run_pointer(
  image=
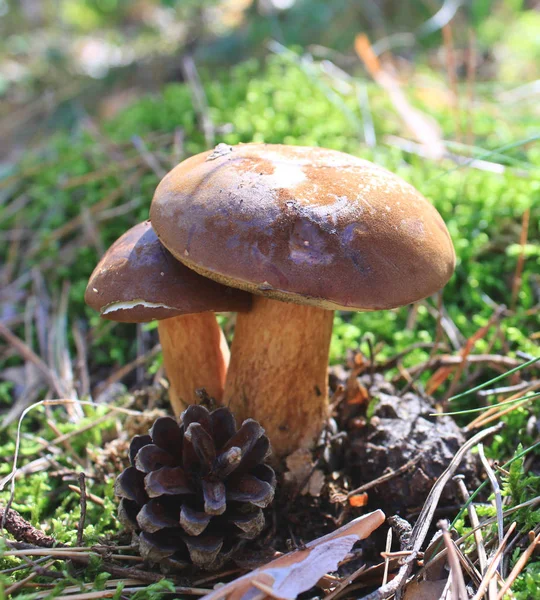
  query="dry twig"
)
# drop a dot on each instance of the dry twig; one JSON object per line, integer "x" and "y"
{"x": 496, "y": 490}
{"x": 519, "y": 566}
{"x": 22, "y": 530}
{"x": 82, "y": 518}
{"x": 492, "y": 568}
{"x": 459, "y": 591}
{"x": 384, "y": 478}
{"x": 473, "y": 517}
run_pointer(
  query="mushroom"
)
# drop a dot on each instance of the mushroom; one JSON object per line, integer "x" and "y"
{"x": 309, "y": 231}
{"x": 137, "y": 280}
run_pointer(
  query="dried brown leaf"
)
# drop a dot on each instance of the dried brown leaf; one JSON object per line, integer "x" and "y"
{"x": 424, "y": 590}
{"x": 291, "y": 574}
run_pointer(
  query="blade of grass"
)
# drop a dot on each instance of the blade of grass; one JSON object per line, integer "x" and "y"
{"x": 459, "y": 591}
{"x": 424, "y": 128}
{"x": 516, "y": 284}
{"x": 495, "y": 379}
{"x": 10, "y": 477}
{"x": 496, "y": 490}
{"x": 438, "y": 554}
{"x": 451, "y": 73}
{"x": 484, "y": 484}
{"x": 469, "y": 411}
{"x": 494, "y": 416}
{"x": 475, "y": 522}
{"x": 488, "y": 154}
{"x": 530, "y": 388}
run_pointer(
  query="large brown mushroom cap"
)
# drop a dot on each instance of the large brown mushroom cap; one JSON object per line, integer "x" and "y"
{"x": 307, "y": 225}
{"x": 137, "y": 280}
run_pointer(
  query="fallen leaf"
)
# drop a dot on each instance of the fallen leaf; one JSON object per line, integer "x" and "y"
{"x": 424, "y": 590}
{"x": 301, "y": 473}
{"x": 291, "y": 574}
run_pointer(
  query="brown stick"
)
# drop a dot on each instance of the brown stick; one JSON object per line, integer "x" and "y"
{"x": 21, "y": 530}
{"x": 195, "y": 355}
{"x": 31, "y": 537}
{"x": 82, "y": 518}
{"x": 384, "y": 478}
{"x": 520, "y": 564}
{"x": 278, "y": 371}
{"x": 443, "y": 360}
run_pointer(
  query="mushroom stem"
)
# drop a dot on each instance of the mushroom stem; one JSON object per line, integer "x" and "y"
{"x": 195, "y": 355}
{"x": 278, "y": 371}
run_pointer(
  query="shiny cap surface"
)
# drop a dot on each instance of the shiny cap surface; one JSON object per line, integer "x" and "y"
{"x": 138, "y": 280}
{"x": 307, "y": 225}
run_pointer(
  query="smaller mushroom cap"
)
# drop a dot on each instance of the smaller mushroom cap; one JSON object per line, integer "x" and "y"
{"x": 138, "y": 280}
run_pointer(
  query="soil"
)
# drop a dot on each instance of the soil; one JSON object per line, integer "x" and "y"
{"x": 400, "y": 430}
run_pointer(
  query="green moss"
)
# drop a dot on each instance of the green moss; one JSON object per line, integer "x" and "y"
{"x": 527, "y": 584}
{"x": 40, "y": 498}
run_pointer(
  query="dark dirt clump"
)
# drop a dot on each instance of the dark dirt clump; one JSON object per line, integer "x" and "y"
{"x": 389, "y": 431}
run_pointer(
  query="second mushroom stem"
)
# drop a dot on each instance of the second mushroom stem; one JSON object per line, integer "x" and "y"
{"x": 195, "y": 355}
{"x": 278, "y": 371}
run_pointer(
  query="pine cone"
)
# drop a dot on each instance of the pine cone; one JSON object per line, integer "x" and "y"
{"x": 196, "y": 491}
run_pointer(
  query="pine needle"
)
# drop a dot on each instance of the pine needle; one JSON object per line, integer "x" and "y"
{"x": 495, "y": 379}
{"x": 521, "y": 399}
{"x": 519, "y": 566}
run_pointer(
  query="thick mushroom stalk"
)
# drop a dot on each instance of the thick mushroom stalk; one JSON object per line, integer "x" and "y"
{"x": 195, "y": 355}
{"x": 278, "y": 371}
